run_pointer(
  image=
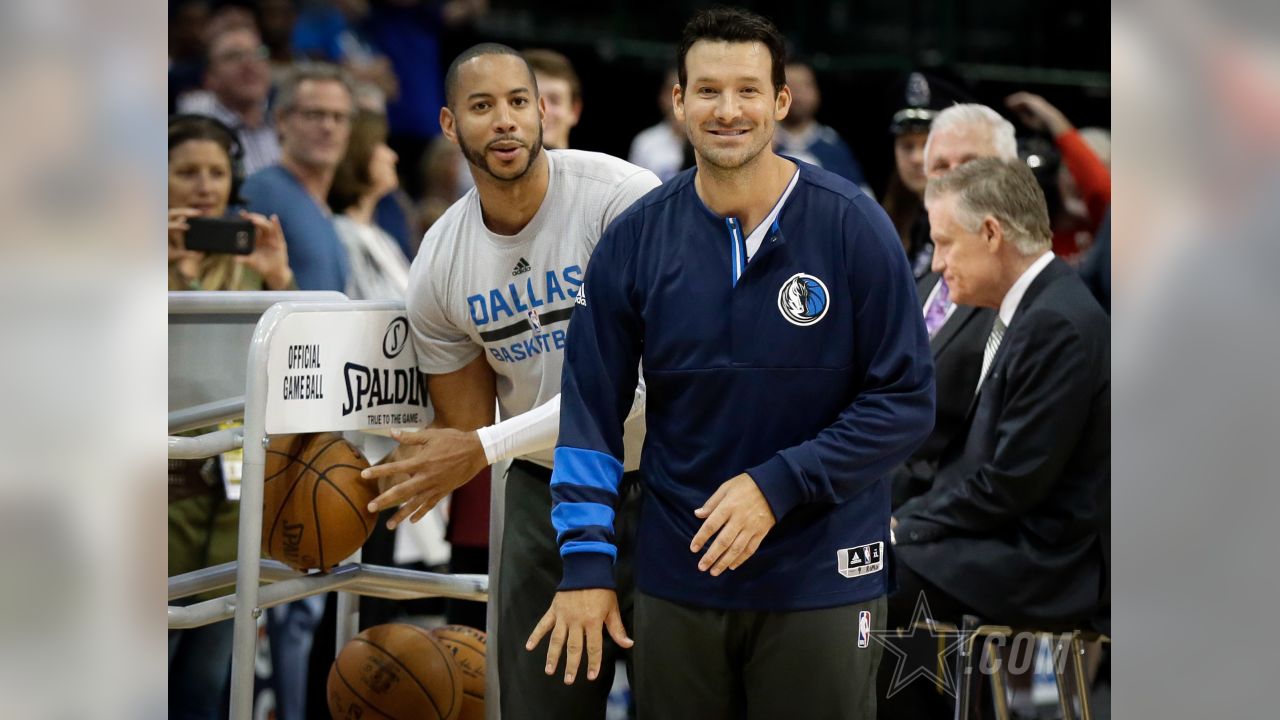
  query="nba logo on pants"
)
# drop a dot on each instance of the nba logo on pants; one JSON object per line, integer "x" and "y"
{"x": 864, "y": 628}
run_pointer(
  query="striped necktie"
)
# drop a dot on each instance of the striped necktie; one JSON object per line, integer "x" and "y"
{"x": 993, "y": 344}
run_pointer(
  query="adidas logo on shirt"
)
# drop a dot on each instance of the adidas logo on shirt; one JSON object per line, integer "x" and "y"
{"x": 521, "y": 267}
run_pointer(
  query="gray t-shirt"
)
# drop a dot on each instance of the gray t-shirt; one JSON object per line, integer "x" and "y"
{"x": 510, "y": 296}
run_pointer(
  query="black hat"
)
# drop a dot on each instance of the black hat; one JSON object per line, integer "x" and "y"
{"x": 923, "y": 97}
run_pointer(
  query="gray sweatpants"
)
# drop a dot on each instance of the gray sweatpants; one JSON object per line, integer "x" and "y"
{"x": 705, "y": 664}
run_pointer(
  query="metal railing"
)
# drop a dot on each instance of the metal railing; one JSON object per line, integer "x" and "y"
{"x": 246, "y": 603}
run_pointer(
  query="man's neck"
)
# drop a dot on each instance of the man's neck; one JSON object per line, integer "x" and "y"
{"x": 508, "y": 207}
{"x": 1013, "y": 270}
{"x": 315, "y": 181}
{"x": 747, "y": 193}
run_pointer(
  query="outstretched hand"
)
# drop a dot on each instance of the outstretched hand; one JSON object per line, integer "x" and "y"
{"x": 439, "y": 461}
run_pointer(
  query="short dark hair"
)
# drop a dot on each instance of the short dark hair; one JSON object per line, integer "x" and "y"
{"x": 734, "y": 25}
{"x": 555, "y": 65}
{"x": 185, "y": 128}
{"x": 473, "y": 52}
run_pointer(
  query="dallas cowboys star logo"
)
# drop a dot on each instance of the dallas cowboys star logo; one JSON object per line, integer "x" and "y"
{"x": 949, "y": 641}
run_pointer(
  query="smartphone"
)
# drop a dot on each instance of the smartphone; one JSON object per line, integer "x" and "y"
{"x": 230, "y": 235}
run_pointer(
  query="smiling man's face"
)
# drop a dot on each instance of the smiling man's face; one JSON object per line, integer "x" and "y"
{"x": 730, "y": 107}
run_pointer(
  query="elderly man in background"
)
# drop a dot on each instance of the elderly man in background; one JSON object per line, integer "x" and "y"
{"x": 1012, "y": 528}
{"x": 801, "y": 136}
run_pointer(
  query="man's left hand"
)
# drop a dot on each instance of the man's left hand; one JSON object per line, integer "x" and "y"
{"x": 741, "y": 516}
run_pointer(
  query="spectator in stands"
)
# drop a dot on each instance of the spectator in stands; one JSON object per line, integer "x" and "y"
{"x": 276, "y": 19}
{"x": 188, "y": 22}
{"x": 202, "y": 158}
{"x": 202, "y": 521}
{"x": 1084, "y": 178}
{"x": 904, "y": 193}
{"x": 801, "y": 136}
{"x": 237, "y": 80}
{"x": 662, "y": 148}
{"x": 395, "y": 212}
{"x": 560, "y": 88}
{"x": 1012, "y": 528}
{"x": 313, "y": 114}
{"x": 924, "y": 96}
{"x": 367, "y": 173}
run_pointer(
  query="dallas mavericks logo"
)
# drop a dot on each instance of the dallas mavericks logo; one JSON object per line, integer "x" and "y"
{"x": 802, "y": 299}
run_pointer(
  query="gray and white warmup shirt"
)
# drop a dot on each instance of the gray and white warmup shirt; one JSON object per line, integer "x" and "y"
{"x": 510, "y": 296}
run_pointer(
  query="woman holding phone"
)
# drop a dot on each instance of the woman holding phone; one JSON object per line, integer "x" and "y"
{"x": 202, "y": 178}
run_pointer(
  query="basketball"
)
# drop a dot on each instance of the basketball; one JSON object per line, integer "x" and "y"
{"x": 467, "y": 646}
{"x": 396, "y": 671}
{"x": 315, "y": 504}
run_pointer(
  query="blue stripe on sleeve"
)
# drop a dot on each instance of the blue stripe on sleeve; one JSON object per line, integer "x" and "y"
{"x": 567, "y": 515}
{"x": 589, "y": 468}
{"x": 573, "y": 547}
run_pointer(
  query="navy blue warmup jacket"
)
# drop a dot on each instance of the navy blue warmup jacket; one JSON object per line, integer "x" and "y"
{"x": 808, "y": 368}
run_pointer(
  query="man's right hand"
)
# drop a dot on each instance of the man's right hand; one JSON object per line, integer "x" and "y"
{"x": 574, "y": 620}
{"x": 445, "y": 460}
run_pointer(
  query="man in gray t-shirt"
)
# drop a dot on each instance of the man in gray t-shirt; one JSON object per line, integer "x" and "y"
{"x": 489, "y": 301}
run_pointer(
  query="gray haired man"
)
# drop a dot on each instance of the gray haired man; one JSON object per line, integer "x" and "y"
{"x": 1013, "y": 527}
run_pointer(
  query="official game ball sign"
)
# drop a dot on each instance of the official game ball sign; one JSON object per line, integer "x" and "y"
{"x": 352, "y": 370}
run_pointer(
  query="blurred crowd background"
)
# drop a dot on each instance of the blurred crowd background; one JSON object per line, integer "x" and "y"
{"x": 858, "y": 61}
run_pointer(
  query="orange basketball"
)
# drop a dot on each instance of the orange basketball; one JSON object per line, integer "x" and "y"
{"x": 395, "y": 671}
{"x": 467, "y": 646}
{"x": 315, "y": 507}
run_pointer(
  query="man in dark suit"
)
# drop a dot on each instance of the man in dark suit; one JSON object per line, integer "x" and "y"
{"x": 957, "y": 332}
{"x": 1012, "y": 528}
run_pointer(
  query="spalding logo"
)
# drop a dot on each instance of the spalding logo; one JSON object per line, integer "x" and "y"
{"x": 803, "y": 300}
{"x": 395, "y": 338}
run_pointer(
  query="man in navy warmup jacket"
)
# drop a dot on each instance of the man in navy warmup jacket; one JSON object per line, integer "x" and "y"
{"x": 788, "y": 372}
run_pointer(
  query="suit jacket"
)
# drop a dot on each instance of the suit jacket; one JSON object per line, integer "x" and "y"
{"x": 957, "y": 360}
{"x": 1013, "y": 524}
